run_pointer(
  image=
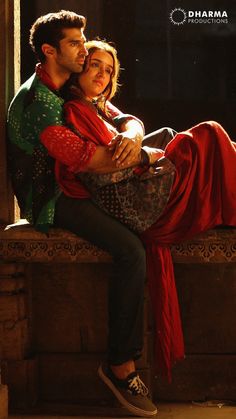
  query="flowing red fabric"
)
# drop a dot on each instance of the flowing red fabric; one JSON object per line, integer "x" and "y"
{"x": 203, "y": 196}
{"x": 83, "y": 116}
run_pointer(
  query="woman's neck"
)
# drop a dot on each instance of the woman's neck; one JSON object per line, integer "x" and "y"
{"x": 90, "y": 99}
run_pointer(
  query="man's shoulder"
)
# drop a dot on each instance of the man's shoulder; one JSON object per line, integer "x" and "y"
{"x": 33, "y": 90}
{"x": 23, "y": 91}
{"x": 43, "y": 94}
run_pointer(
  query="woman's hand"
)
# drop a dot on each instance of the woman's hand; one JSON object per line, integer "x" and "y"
{"x": 126, "y": 147}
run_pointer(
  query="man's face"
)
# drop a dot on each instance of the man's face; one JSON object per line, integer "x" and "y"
{"x": 70, "y": 56}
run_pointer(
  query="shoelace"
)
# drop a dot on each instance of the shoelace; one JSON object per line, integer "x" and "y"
{"x": 137, "y": 386}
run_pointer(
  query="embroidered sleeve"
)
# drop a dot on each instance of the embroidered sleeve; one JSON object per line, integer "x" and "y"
{"x": 66, "y": 147}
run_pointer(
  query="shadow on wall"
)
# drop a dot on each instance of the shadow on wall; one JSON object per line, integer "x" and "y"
{"x": 175, "y": 74}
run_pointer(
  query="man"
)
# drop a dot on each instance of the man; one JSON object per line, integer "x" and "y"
{"x": 58, "y": 41}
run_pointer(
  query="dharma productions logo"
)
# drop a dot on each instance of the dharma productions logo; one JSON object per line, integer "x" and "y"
{"x": 179, "y": 16}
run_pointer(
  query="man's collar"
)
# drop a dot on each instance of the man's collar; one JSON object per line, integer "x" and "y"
{"x": 44, "y": 77}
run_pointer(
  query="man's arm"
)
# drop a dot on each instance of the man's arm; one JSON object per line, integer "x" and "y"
{"x": 84, "y": 156}
{"x": 79, "y": 155}
{"x": 102, "y": 162}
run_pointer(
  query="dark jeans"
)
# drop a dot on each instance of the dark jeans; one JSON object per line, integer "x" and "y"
{"x": 126, "y": 288}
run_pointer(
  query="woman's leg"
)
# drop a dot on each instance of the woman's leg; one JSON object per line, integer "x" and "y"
{"x": 203, "y": 193}
{"x": 126, "y": 290}
{"x": 159, "y": 138}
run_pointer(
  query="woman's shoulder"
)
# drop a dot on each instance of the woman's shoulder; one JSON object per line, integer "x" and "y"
{"x": 112, "y": 110}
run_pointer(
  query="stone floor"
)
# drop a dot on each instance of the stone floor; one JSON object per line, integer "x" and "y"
{"x": 209, "y": 410}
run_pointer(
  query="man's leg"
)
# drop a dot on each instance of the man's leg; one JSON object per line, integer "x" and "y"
{"x": 126, "y": 288}
{"x": 126, "y": 297}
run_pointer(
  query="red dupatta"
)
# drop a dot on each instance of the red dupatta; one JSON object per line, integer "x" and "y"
{"x": 84, "y": 117}
{"x": 203, "y": 196}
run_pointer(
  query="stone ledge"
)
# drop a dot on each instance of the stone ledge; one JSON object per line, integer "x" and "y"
{"x": 21, "y": 243}
{"x": 214, "y": 246}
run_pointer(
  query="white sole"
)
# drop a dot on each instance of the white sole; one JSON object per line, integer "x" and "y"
{"x": 118, "y": 395}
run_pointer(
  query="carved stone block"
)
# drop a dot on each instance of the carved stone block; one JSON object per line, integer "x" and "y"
{"x": 14, "y": 339}
{"x": 22, "y": 379}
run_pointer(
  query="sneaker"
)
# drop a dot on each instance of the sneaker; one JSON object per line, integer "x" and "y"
{"x": 131, "y": 392}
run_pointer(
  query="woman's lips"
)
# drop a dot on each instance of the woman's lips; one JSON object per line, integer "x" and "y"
{"x": 98, "y": 82}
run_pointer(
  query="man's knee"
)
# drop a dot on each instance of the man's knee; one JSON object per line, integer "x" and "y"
{"x": 133, "y": 254}
{"x": 138, "y": 255}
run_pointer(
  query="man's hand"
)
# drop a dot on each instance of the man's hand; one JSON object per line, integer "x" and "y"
{"x": 126, "y": 147}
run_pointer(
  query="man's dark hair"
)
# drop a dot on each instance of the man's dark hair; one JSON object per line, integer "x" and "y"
{"x": 49, "y": 29}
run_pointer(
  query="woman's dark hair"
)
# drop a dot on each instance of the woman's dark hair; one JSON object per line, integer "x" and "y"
{"x": 49, "y": 29}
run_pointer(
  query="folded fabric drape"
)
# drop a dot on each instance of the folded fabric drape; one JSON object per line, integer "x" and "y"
{"x": 203, "y": 196}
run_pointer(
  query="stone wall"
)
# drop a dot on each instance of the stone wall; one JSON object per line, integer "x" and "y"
{"x": 54, "y": 313}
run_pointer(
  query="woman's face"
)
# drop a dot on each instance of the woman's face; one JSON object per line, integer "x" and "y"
{"x": 97, "y": 74}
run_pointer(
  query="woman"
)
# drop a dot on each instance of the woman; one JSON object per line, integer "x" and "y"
{"x": 90, "y": 114}
{"x": 166, "y": 197}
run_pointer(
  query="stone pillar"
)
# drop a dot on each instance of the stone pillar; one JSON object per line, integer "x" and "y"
{"x": 3, "y": 402}
{"x": 9, "y": 83}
